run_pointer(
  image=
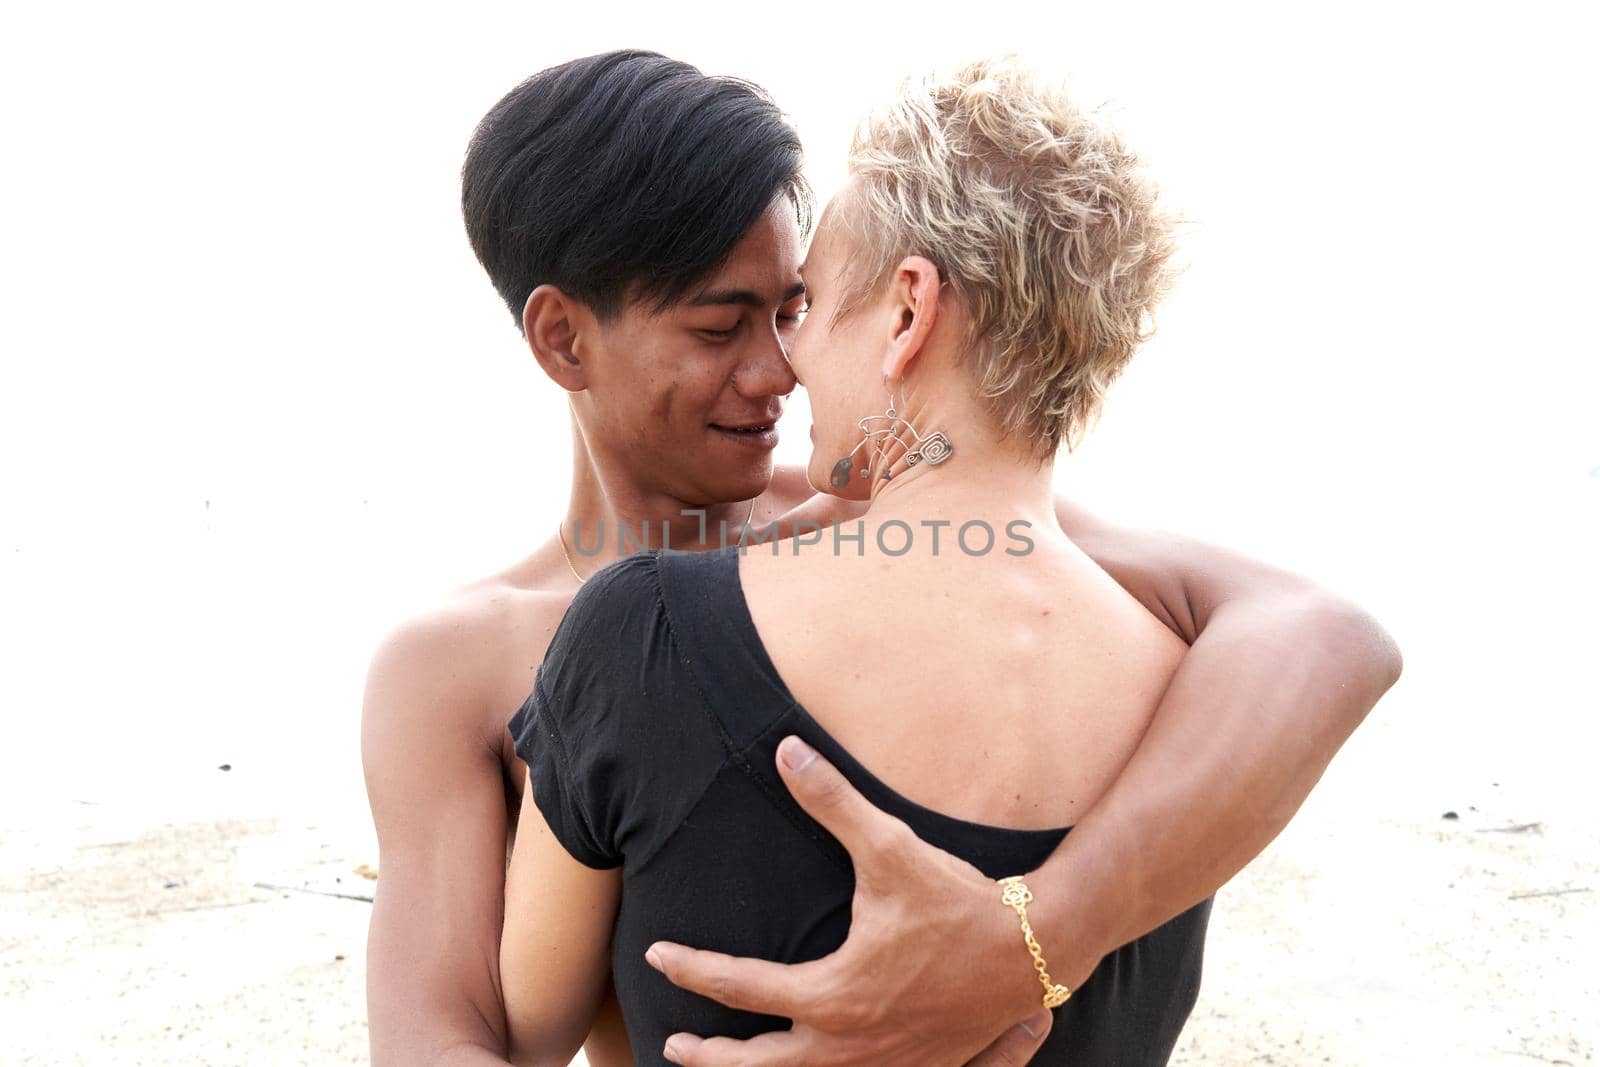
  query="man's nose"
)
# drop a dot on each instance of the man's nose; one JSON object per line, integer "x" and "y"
{"x": 766, "y": 372}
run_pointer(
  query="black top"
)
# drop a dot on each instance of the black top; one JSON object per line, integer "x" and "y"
{"x": 651, "y": 738}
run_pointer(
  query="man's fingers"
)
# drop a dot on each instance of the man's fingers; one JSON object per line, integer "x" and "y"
{"x": 762, "y": 986}
{"x": 825, "y": 794}
{"x": 1017, "y": 1045}
{"x": 776, "y": 1048}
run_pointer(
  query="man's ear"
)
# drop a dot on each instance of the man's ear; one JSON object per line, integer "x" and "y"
{"x": 554, "y": 324}
{"x": 913, "y": 298}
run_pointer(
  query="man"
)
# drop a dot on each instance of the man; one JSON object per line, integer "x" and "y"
{"x": 642, "y": 223}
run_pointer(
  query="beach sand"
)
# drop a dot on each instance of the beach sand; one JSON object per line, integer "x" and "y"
{"x": 160, "y": 945}
{"x": 1355, "y": 939}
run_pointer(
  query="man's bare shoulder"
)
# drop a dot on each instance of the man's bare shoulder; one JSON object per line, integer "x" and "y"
{"x": 464, "y": 664}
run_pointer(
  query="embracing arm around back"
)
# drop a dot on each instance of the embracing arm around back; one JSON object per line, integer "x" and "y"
{"x": 1279, "y": 674}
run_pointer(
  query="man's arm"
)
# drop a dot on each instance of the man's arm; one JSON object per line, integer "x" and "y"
{"x": 555, "y": 952}
{"x": 438, "y": 802}
{"x": 1278, "y": 676}
{"x": 1280, "y": 673}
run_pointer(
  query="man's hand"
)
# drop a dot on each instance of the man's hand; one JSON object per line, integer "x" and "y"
{"x": 934, "y": 972}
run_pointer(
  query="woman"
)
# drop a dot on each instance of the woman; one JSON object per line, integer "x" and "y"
{"x": 988, "y": 270}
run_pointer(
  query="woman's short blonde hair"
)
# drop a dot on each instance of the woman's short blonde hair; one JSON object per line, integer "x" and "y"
{"x": 1040, "y": 219}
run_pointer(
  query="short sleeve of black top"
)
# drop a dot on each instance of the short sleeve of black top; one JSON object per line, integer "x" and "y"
{"x": 650, "y": 738}
{"x": 611, "y": 773}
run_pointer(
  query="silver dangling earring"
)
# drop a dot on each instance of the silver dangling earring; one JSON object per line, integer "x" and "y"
{"x": 933, "y": 449}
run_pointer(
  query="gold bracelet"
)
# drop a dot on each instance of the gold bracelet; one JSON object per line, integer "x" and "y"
{"x": 1014, "y": 893}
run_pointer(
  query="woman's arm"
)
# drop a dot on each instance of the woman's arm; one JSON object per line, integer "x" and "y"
{"x": 555, "y": 951}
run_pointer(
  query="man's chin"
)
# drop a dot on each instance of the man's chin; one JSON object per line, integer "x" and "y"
{"x": 721, "y": 485}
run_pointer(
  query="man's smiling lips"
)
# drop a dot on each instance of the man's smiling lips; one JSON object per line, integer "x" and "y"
{"x": 752, "y": 433}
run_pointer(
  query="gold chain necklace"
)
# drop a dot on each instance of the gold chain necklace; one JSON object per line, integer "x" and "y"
{"x": 561, "y": 535}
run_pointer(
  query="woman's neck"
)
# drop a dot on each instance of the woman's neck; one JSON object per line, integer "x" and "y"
{"x": 981, "y": 480}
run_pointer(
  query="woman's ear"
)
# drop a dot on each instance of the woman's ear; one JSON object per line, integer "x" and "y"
{"x": 551, "y": 321}
{"x": 914, "y": 301}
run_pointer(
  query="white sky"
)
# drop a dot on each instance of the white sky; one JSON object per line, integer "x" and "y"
{"x": 258, "y": 400}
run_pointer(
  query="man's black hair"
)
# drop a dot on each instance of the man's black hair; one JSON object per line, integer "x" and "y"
{"x": 623, "y": 176}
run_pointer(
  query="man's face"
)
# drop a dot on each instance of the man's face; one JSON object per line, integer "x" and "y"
{"x": 687, "y": 401}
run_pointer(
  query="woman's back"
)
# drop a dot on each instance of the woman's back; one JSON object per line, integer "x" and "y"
{"x": 651, "y": 742}
{"x": 1006, "y": 689}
